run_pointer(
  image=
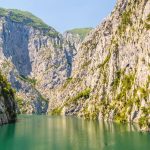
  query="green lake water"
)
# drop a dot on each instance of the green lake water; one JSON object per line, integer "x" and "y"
{"x": 69, "y": 133}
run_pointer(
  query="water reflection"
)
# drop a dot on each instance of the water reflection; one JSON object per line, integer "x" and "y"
{"x": 7, "y": 135}
{"x": 61, "y": 133}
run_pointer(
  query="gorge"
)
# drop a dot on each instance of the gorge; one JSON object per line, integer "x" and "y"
{"x": 101, "y": 73}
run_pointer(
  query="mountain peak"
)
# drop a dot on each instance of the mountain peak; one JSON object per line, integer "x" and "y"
{"x": 82, "y": 32}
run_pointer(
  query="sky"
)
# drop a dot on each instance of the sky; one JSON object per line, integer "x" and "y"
{"x": 65, "y": 14}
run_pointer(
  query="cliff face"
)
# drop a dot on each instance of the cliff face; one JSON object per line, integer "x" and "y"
{"x": 34, "y": 57}
{"x": 75, "y": 36}
{"x": 31, "y": 57}
{"x": 72, "y": 40}
{"x": 111, "y": 71}
{"x": 7, "y": 102}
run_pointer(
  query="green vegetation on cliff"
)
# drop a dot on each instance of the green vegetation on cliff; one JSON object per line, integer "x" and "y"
{"x": 7, "y": 104}
{"x": 83, "y": 94}
{"x": 125, "y": 21}
{"x": 28, "y": 19}
{"x": 32, "y": 81}
{"x": 6, "y": 89}
{"x": 147, "y": 24}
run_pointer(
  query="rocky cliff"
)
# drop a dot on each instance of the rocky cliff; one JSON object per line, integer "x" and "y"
{"x": 72, "y": 40}
{"x": 111, "y": 71}
{"x": 7, "y": 102}
{"x": 34, "y": 57}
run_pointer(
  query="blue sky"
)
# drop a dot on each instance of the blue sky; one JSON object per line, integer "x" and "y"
{"x": 65, "y": 14}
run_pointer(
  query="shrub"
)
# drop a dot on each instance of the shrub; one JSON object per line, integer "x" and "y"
{"x": 143, "y": 122}
{"x": 29, "y": 80}
{"x": 147, "y": 25}
{"x": 83, "y": 94}
{"x": 86, "y": 64}
{"x": 67, "y": 82}
{"x": 6, "y": 87}
{"x": 125, "y": 21}
{"x": 56, "y": 111}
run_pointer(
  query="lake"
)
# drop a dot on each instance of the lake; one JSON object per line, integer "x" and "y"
{"x": 33, "y": 132}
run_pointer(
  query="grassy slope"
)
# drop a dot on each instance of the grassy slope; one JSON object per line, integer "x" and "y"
{"x": 27, "y": 18}
{"x": 80, "y": 31}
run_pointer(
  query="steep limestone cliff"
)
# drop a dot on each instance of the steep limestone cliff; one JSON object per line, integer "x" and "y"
{"x": 7, "y": 102}
{"x": 111, "y": 71}
{"x": 34, "y": 57}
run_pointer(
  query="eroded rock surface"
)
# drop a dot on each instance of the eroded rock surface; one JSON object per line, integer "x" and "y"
{"x": 34, "y": 57}
{"x": 111, "y": 71}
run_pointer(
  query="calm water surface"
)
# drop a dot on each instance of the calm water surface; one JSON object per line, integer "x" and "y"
{"x": 62, "y": 133}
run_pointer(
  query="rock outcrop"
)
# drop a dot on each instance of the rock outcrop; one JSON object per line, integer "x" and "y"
{"x": 7, "y": 102}
{"x": 111, "y": 71}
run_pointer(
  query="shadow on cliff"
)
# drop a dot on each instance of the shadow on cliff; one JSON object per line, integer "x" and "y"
{"x": 15, "y": 46}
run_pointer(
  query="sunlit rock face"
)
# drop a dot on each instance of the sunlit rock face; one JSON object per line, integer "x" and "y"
{"x": 111, "y": 71}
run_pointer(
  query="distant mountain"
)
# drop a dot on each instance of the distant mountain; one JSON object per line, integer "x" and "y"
{"x": 82, "y": 32}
